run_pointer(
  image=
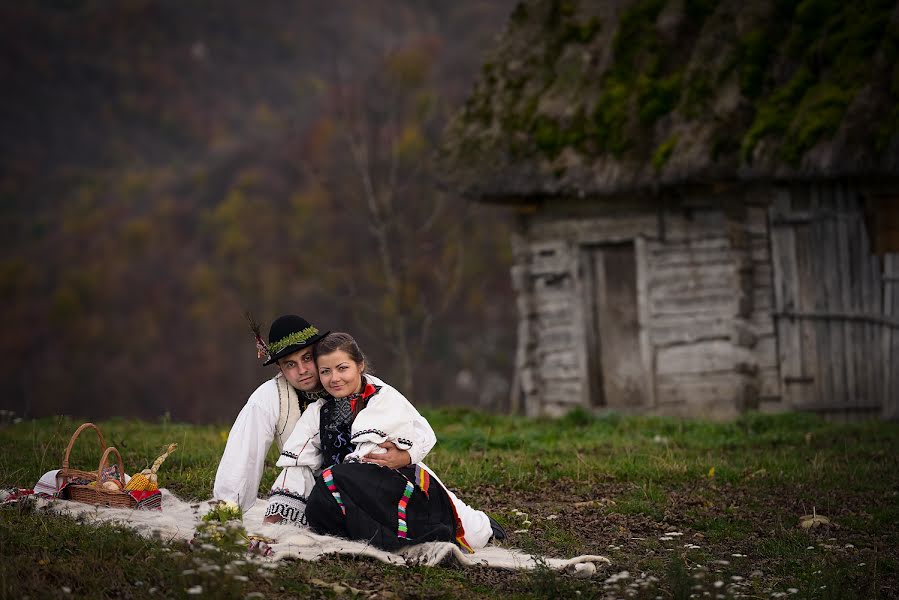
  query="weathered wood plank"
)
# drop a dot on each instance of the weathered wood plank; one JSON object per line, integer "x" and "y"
{"x": 763, "y": 300}
{"x": 760, "y": 249}
{"x": 591, "y": 390}
{"x": 769, "y": 383}
{"x": 643, "y": 316}
{"x": 757, "y": 220}
{"x": 717, "y": 395}
{"x": 561, "y": 391}
{"x": 702, "y": 357}
{"x": 550, "y": 257}
{"x": 783, "y": 259}
{"x": 891, "y": 338}
{"x": 697, "y": 277}
{"x": 711, "y": 245}
{"x": 557, "y": 338}
{"x": 720, "y": 305}
{"x": 598, "y": 230}
{"x": 765, "y": 351}
{"x": 668, "y": 331}
{"x": 694, "y": 224}
{"x": 560, "y": 371}
{"x": 762, "y": 321}
{"x": 561, "y": 359}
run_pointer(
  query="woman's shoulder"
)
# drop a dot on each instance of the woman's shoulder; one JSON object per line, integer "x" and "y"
{"x": 382, "y": 386}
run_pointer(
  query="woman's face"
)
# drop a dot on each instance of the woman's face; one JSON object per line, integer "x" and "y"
{"x": 340, "y": 374}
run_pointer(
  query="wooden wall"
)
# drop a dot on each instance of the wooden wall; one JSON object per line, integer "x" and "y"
{"x": 697, "y": 339}
{"x": 769, "y": 299}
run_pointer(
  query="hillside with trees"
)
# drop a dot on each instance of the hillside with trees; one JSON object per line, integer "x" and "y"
{"x": 165, "y": 166}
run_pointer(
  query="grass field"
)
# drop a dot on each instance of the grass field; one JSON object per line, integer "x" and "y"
{"x": 682, "y": 508}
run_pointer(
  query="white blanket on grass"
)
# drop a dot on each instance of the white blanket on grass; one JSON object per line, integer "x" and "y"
{"x": 178, "y": 520}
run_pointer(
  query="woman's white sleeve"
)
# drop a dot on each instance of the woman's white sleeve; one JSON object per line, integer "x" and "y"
{"x": 423, "y": 438}
{"x": 301, "y": 457}
{"x": 421, "y": 435}
{"x": 387, "y": 417}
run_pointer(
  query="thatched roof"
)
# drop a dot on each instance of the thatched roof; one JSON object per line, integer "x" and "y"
{"x": 625, "y": 95}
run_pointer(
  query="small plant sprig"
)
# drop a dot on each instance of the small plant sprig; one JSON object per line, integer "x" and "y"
{"x": 224, "y": 512}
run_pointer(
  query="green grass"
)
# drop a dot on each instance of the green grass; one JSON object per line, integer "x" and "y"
{"x": 610, "y": 485}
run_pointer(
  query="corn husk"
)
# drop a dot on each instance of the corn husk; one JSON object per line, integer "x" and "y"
{"x": 146, "y": 479}
{"x": 161, "y": 459}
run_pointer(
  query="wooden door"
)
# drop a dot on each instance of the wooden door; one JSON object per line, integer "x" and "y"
{"x": 832, "y": 329}
{"x": 615, "y": 363}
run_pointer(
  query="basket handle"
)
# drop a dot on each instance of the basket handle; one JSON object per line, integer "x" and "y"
{"x": 103, "y": 460}
{"x": 65, "y": 457}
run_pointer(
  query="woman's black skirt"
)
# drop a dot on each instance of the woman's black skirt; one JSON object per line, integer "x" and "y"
{"x": 384, "y": 507}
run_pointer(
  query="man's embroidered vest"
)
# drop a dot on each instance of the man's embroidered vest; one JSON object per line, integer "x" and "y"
{"x": 288, "y": 410}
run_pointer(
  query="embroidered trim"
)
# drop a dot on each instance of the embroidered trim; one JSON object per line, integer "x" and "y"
{"x": 292, "y": 507}
{"x": 290, "y": 513}
{"x": 363, "y": 432}
{"x": 318, "y": 395}
{"x": 422, "y": 479}
{"x": 289, "y": 455}
{"x": 297, "y": 337}
{"x": 289, "y": 494}
{"x": 404, "y": 441}
{"x": 328, "y": 478}
{"x": 402, "y": 529}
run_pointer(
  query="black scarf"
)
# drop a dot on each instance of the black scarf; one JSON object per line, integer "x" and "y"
{"x": 335, "y": 423}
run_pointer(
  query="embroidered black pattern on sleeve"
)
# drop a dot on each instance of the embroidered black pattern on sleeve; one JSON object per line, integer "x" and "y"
{"x": 287, "y": 511}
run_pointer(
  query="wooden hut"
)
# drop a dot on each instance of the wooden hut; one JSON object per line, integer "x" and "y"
{"x": 708, "y": 203}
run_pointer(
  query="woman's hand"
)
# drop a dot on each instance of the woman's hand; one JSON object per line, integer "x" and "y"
{"x": 394, "y": 458}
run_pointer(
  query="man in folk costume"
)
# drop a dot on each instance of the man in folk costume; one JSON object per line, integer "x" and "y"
{"x": 272, "y": 412}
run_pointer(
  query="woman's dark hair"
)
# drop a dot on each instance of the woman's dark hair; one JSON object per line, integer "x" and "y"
{"x": 340, "y": 341}
{"x": 343, "y": 341}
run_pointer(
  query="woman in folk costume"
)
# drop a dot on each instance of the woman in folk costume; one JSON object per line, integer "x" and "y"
{"x": 353, "y": 496}
{"x": 272, "y": 411}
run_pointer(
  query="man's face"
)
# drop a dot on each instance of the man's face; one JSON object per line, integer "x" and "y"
{"x": 299, "y": 369}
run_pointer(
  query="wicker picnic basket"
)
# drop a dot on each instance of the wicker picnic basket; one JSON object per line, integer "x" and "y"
{"x": 94, "y": 494}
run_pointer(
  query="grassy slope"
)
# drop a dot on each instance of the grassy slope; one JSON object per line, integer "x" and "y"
{"x": 611, "y": 485}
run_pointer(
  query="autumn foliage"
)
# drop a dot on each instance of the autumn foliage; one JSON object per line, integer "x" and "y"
{"x": 166, "y": 167}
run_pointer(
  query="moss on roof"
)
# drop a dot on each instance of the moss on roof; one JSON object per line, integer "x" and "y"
{"x": 606, "y": 97}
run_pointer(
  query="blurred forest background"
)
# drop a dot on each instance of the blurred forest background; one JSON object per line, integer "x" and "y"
{"x": 166, "y": 165}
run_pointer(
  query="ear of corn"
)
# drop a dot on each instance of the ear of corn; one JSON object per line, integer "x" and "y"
{"x": 138, "y": 482}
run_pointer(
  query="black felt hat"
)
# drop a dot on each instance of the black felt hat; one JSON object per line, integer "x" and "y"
{"x": 288, "y": 334}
